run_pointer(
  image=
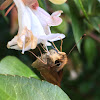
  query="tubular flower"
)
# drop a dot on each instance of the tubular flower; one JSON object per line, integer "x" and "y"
{"x": 31, "y": 31}
{"x": 25, "y": 39}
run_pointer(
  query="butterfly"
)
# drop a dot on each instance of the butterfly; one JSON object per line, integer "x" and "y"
{"x": 50, "y": 65}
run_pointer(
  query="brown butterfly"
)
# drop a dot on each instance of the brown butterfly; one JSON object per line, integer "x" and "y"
{"x": 51, "y": 64}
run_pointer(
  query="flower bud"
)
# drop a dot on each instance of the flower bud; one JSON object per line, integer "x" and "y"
{"x": 58, "y": 1}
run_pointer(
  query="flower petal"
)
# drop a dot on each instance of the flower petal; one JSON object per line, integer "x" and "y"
{"x": 48, "y": 20}
{"x": 55, "y": 21}
{"x": 24, "y": 41}
{"x": 57, "y": 13}
{"x": 31, "y": 3}
{"x": 53, "y": 37}
{"x": 36, "y": 26}
{"x": 12, "y": 42}
{"x": 15, "y": 47}
{"x": 23, "y": 16}
{"x": 27, "y": 39}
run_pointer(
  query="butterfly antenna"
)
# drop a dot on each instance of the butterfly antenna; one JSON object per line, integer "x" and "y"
{"x": 76, "y": 43}
{"x": 55, "y": 46}
{"x": 37, "y": 57}
{"x": 9, "y": 9}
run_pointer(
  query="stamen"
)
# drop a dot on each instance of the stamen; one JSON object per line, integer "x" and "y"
{"x": 10, "y": 8}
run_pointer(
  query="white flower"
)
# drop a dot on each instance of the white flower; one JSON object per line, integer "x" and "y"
{"x": 30, "y": 32}
{"x": 25, "y": 39}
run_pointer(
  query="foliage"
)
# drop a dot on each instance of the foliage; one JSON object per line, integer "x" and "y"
{"x": 81, "y": 74}
{"x": 17, "y": 82}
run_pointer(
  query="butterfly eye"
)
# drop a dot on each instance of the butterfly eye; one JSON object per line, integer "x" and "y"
{"x": 57, "y": 62}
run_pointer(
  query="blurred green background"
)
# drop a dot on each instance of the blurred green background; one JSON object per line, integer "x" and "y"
{"x": 81, "y": 77}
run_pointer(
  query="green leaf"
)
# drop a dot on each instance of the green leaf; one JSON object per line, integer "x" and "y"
{"x": 42, "y": 4}
{"x": 85, "y": 87}
{"x": 5, "y": 17}
{"x": 84, "y": 11}
{"x": 95, "y": 21}
{"x": 89, "y": 10}
{"x": 58, "y": 29}
{"x": 77, "y": 22}
{"x": 13, "y": 66}
{"x": 22, "y": 88}
{"x": 90, "y": 51}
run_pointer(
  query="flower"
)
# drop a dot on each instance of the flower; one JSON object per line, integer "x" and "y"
{"x": 58, "y": 1}
{"x": 31, "y": 31}
{"x": 25, "y": 39}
